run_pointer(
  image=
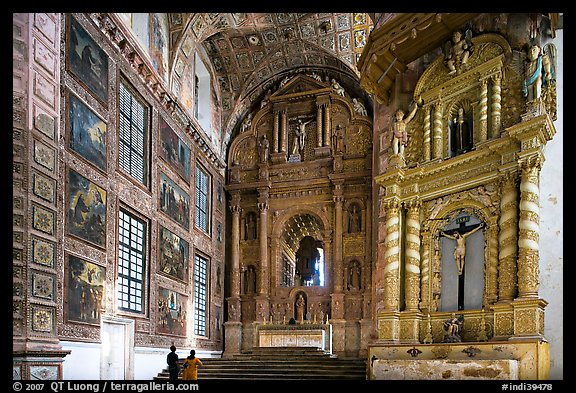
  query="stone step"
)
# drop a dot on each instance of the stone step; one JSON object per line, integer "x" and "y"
{"x": 284, "y": 363}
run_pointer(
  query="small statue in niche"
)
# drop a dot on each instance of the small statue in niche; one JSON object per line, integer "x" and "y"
{"x": 300, "y": 307}
{"x": 461, "y": 135}
{"x": 354, "y": 275}
{"x": 399, "y": 132}
{"x": 263, "y": 148}
{"x": 354, "y": 224}
{"x": 250, "y": 280}
{"x": 452, "y": 328}
{"x": 457, "y": 51}
{"x": 250, "y": 227}
{"x": 338, "y": 139}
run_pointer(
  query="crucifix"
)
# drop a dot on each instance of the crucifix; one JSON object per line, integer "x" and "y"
{"x": 460, "y": 234}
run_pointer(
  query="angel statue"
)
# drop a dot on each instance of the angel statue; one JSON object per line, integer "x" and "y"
{"x": 537, "y": 67}
{"x": 457, "y": 51}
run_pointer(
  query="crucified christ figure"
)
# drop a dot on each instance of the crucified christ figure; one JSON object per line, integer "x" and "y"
{"x": 460, "y": 251}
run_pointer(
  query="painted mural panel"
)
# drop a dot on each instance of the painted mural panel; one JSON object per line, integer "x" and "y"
{"x": 159, "y": 43}
{"x": 174, "y": 201}
{"x": 86, "y": 209}
{"x": 171, "y": 313}
{"x": 173, "y": 254}
{"x": 86, "y": 133}
{"x": 87, "y": 61}
{"x": 85, "y": 290}
{"x": 174, "y": 151}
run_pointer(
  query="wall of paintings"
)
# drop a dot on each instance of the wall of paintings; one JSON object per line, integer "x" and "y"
{"x": 75, "y": 212}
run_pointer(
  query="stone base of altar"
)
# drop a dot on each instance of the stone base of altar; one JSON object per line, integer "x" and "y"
{"x": 518, "y": 360}
{"x": 308, "y": 335}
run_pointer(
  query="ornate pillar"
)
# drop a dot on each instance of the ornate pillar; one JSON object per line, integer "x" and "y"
{"x": 496, "y": 104}
{"x": 338, "y": 200}
{"x": 327, "y": 125}
{"x": 392, "y": 257}
{"x": 277, "y": 270}
{"x": 483, "y": 118}
{"x": 529, "y": 225}
{"x": 508, "y": 239}
{"x": 235, "y": 246}
{"x": 283, "y": 130}
{"x": 413, "y": 256}
{"x": 425, "y": 287}
{"x": 275, "y": 132}
{"x": 438, "y": 131}
{"x": 319, "y": 109}
{"x": 491, "y": 284}
{"x": 264, "y": 276}
{"x": 427, "y": 139}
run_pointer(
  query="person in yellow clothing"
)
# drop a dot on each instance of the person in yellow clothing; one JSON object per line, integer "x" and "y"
{"x": 190, "y": 366}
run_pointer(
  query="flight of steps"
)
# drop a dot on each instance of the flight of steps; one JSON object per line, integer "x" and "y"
{"x": 285, "y": 363}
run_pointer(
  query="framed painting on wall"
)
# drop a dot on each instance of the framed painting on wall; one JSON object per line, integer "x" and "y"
{"x": 174, "y": 201}
{"x": 85, "y": 290}
{"x": 173, "y": 254}
{"x": 174, "y": 151}
{"x": 86, "y": 133}
{"x": 171, "y": 313}
{"x": 86, "y": 209}
{"x": 87, "y": 62}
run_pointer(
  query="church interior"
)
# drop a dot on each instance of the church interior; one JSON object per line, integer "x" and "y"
{"x": 377, "y": 188}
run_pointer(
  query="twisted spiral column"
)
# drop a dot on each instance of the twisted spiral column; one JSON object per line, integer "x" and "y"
{"x": 413, "y": 256}
{"x": 529, "y": 225}
{"x": 508, "y": 239}
{"x": 392, "y": 257}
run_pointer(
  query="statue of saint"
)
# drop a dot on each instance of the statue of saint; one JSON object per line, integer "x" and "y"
{"x": 300, "y": 308}
{"x": 400, "y": 135}
{"x": 452, "y": 328}
{"x": 264, "y": 147}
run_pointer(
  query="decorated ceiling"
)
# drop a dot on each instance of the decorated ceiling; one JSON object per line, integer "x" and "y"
{"x": 249, "y": 53}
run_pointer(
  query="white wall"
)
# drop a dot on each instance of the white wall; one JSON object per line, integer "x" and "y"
{"x": 552, "y": 230}
{"x": 84, "y": 360}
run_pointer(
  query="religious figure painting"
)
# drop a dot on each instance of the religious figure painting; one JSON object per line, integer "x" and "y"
{"x": 174, "y": 201}
{"x": 173, "y": 254}
{"x": 174, "y": 151}
{"x": 171, "y": 312}
{"x": 85, "y": 290}
{"x": 86, "y": 133}
{"x": 86, "y": 209}
{"x": 159, "y": 43}
{"x": 87, "y": 61}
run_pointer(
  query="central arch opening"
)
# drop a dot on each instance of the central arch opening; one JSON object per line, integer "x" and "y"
{"x": 303, "y": 252}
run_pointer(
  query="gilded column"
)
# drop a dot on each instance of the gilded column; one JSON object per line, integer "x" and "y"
{"x": 338, "y": 276}
{"x": 277, "y": 273}
{"x": 496, "y": 104}
{"x": 235, "y": 246}
{"x": 275, "y": 133}
{"x": 483, "y": 118}
{"x": 412, "y": 259}
{"x": 508, "y": 239}
{"x": 491, "y": 292}
{"x": 438, "y": 134}
{"x": 392, "y": 257}
{"x": 327, "y": 128}
{"x": 263, "y": 240}
{"x": 283, "y": 130}
{"x": 319, "y": 132}
{"x": 529, "y": 225}
{"x": 425, "y": 271}
{"x": 427, "y": 147}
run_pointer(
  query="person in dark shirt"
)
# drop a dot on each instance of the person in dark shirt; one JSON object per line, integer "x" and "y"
{"x": 172, "y": 360}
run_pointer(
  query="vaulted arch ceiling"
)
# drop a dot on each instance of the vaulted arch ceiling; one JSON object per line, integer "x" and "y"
{"x": 249, "y": 53}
